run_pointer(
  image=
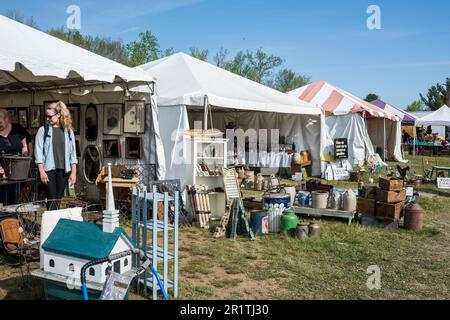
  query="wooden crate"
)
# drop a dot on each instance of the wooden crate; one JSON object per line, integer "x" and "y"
{"x": 366, "y": 206}
{"x": 390, "y": 184}
{"x": 391, "y": 196}
{"x": 389, "y": 210}
{"x": 370, "y": 192}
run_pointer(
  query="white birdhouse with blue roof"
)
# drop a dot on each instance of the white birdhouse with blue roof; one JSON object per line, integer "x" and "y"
{"x": 72, "y": 244}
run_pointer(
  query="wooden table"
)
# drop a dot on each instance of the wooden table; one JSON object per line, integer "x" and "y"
{"x": 349, "y": 215}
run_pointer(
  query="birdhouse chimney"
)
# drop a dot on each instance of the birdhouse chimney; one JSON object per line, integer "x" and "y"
{"x": 110, "y": 215}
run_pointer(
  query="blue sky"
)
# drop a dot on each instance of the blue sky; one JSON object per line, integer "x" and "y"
{"x": 326, "y": 39}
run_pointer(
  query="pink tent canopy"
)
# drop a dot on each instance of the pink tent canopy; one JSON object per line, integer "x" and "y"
{"x": 336, "y": 101}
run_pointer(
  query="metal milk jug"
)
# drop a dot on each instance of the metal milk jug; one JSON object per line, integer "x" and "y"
{"x": 314, "y": 229}
{"x": 302, "y": 231}
{"x": 259, "y": 185}
{"x": 350, "y": 200}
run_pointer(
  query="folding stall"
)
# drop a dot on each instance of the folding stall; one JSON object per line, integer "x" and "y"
{"x": 190, "y": 90}
{"x": 347, "y": 116}
{"x": 438, "y": 118}
{"x": 36, "y": 68}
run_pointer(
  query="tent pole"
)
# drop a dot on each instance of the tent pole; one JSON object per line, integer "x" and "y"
{"x": 365, "y": 146}
{"x": 384, "y": 133}
{"x": 414, "y": 135}
{"x": 205, "y": 113}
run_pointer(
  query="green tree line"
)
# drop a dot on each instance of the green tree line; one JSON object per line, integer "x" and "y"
{"x": 258, "y": 66}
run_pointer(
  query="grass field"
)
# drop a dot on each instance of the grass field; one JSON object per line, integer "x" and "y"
{"x": 414, "y": 265}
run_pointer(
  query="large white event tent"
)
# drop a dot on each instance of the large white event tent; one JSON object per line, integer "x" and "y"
{"x": 438, "y": 118}
{"x": 347, "y": 116}
{"x": 37, "y": 67}
{"x": 188, "y": 86}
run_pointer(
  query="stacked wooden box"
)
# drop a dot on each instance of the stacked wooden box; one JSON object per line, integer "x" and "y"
{"x": 391, "y": 196}
{"x": 367, "y": 203}
{"x": 384, "y": 202}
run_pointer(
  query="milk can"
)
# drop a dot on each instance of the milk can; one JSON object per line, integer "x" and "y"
{"x": 259, "y": 185}
{"x": 413, "y": 217}
{"x": 350, "y": 201}
{"x": 314, "y": 230}
{"x": 302, "y": 231}
{"x": 336, "y": 200}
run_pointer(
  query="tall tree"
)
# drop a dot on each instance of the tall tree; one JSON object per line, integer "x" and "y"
{"x": 262, "y": 65}
{"x": 199, "y": 54}
{"x": 145, "y": 50}
{"x": 167, "y": 52}
{"x": 436, "y": 97}
{"x": 287, "y": 80}
{"x": 106, "y": 47}
{"x": 220, "y": 58}
{"x": 371, "y": 97}
{"x": 19, "y": 17}
{"x": 416, "y": 106}
{"x": 72, "y": 36}
{"x": 258, "y": 66}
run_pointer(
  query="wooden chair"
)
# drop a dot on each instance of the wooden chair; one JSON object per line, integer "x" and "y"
{"x": 10, "y": 234}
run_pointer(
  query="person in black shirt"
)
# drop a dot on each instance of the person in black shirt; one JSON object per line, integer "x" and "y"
{"x": 12, "y": 142}
{"x": 18, "y": 128}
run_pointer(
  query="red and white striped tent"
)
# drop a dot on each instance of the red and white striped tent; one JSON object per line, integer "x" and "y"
{"x": 336, "y": 101}
{"x": 367, "y": 127}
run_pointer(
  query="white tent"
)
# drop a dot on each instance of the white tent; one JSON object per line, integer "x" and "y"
{"x": 347, "y": 116}
{"x": 438, "y": 120}
{"x": 186, "y": 85}
{"x": 31, "y": 59}
{"x": 36, "y": 67}
{"x": 440, "y": 117}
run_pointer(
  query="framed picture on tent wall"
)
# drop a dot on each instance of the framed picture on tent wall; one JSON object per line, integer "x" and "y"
{"x": 22, "y": 115}
{"x": 74, "y": 109}
{"x": 36, "y": 116}
{"x": 134, "y": 117}
{"x": 111, "y": 148}
{"x": 112, "y": 115}
{"x": 133, "y": 148}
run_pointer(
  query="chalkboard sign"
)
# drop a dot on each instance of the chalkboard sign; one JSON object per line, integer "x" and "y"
{"x": 340, "y": 148}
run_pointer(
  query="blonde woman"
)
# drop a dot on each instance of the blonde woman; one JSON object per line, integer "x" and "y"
{"x": 55, "y": 151}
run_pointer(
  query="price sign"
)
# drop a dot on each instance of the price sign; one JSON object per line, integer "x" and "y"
{"x": 443, "y": 183}
{"x": 340, "y": 148}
